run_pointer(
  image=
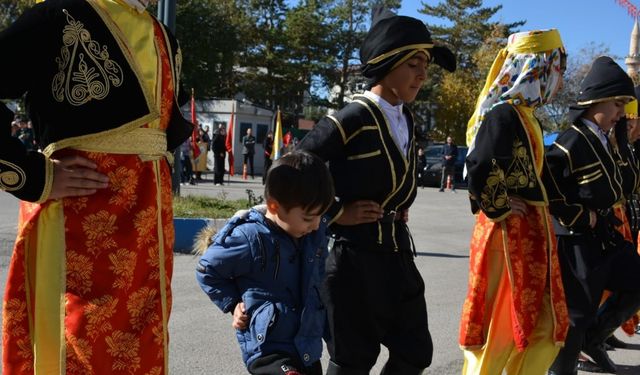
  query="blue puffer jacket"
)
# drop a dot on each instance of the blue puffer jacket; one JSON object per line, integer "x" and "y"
{"x": 258, "y": 263}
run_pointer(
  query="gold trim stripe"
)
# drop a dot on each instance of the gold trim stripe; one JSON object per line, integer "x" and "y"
{"x": 161, "y": 266}
{"x": 589, "y": 175}
{"x": 586, "y": 167}
{"x": 48, "y": 180}
{"x": 340, "y": 128}
{"x": 364, "y": 156}
{"x": 588, "y": 180}
{"x": 628, "y": 98}
{"x": 371, "y": 127}
{"x": 396, "y": 51}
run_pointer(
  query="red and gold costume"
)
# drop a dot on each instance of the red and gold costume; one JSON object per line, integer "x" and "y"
{"x": 88, "y": 288}
{"x": 514, "y": 317}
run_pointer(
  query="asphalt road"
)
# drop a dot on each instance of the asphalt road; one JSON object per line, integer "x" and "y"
{"x": 203, "y": 342}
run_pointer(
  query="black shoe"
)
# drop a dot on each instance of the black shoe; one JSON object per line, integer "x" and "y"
{"x": 601, "y": 358}
{"x": 589, "y": 367}
{"x": 616, "y": 342}
{"x": 441, "y": 190}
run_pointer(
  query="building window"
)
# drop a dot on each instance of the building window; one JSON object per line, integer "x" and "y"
{"x": 261, "y": 133}
{"x": 243, "y": 130}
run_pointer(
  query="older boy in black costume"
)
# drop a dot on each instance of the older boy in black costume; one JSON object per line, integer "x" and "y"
{"x": 584, "y": 185}
{"x": 371, "y": 150}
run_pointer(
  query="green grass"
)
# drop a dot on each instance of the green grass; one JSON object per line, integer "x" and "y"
{"x": 219, "y": 208}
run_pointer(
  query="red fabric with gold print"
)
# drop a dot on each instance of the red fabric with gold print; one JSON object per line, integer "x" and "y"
{"x": 116, "y": 293}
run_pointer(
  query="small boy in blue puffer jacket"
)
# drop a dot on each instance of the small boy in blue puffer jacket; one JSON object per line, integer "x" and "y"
{"x": 265, "y": 267}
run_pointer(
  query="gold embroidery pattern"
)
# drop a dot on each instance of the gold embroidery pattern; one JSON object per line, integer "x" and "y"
{"x": 124, "y": 347}
{"x": 144, "y": 223}
{"x": 15, "y": 311}
{"x": 124, "y": 183}
{"x": 85, "y": 71}
{"x": 142, "y": 308}
{"x": 98, "y": 313}
{"x": 123, "y": 264}
{"x": 178, "y": 63}
{"x": 98, "y": 229}
{"x": 494, "y": 195}
{"x": 79, "y": 271}
{"x": 520, "y": 173}
{"x": 79, "y": 354}
{"x": 12, "y": 177}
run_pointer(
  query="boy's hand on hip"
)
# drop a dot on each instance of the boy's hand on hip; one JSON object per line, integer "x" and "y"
{"x": 360, "y": 212}
{"x": 76, "y": 176}
{"x": 240, "y": 317}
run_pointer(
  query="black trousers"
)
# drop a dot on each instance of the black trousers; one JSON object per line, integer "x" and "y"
{"x": 248, "y": 159}
{"x": 586, "y": 271}
{"x": 375, "y": 297}
{"x": 218, "y": 169}
{"x": 267, "y": 165}
{"x": 284, "y": 364}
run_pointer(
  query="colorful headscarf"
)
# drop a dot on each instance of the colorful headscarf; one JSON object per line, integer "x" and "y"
{"x": 528, "y": 71}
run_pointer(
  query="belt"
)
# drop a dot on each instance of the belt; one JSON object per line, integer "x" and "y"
{"x": 390, "y": 216}
{"x": 147, "y": 143}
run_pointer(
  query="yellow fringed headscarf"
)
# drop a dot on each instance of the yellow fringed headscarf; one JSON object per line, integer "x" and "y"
{"x": 526, "y": 72}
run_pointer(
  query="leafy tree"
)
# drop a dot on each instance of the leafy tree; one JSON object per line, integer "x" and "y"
{"x": 209, "y": 34}
{"x": 456, "y": 97}
{"x": 466, "y": 31}
{"x": 554, "y": 115}
{"x": 350, "y": 21}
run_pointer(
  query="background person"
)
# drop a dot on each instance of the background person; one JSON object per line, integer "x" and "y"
{"x": 449, "y": 157}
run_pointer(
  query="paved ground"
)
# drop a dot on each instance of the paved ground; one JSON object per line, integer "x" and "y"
{"x": 202, "y": 341}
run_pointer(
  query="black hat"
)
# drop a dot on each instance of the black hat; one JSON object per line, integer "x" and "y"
{"x": 391, "y": 38}
{"x": 605, "y": 81}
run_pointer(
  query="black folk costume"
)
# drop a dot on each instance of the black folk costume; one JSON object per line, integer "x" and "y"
{"x": 582, "y": 176}
{"x": 373, "y": 291}
{"x": 88, "y": 288}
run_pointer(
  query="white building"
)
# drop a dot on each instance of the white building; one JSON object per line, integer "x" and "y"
{"x": 215, "y": 112}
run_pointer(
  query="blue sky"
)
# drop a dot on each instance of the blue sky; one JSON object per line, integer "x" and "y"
{"x": 579, "y": 21}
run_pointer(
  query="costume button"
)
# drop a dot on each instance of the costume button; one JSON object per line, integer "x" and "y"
{"x": 306, "y": 357}
{"x": 260, "y": 337}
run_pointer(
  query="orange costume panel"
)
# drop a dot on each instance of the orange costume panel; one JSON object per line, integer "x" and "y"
{"x": 88, "y": 288}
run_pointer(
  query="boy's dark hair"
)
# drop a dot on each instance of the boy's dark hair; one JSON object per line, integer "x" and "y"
{"x": 300, "y": 179}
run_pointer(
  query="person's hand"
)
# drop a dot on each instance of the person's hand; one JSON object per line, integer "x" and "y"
{"x": 240, "y": 317}
{"x": 75, "y": 176}
{"x": 593, "y": 218}
{"x": 518, "y": 206}
{"x": 360, "y": 212}
{"x": 405, "y": 215}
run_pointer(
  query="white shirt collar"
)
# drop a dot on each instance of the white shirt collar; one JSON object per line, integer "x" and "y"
{"x": 599, "y": 132}
{"x": 383, "y": 103}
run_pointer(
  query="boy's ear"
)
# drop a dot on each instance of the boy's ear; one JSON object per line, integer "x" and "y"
{"x": 272, "y": 205}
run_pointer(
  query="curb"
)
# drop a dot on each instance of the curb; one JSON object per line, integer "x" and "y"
{"x": 186, "y": 229}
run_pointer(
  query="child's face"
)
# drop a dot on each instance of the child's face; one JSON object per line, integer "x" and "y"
{"x": 607, "y": 114}
{"x": 296, "y": 221}
{"x": 405, "y": 81}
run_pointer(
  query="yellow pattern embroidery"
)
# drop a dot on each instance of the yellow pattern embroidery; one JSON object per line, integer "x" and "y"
{"x": 15, "y": 311}
{"x": 142, "y": 307}
{"x": 85, "y": 71}
{"x": 79, "y": 354}
{"x": 124, "y": 348}
{"x": 124, "y": 183}
{"x": 123, "y": 264}
{"x": 520, "y": 173}
{"x": 494, "y": 194}
{"x": 79, "y": 270}
{"x": 98, "y": 313}
{"x": 178, "y": 63}
{"x": 12, "y": 177}
{"x": 98, "y": 229}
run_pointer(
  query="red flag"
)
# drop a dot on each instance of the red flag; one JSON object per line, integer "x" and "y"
{"x": 194, "y": 133}
{"x": 229, "y": 145}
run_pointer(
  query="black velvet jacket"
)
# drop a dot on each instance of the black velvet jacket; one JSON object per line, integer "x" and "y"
{"x": 584, "y": 177}
{"x": 366, "y": 163}
{"x": 502, "y": 164}
{"x": 79, "y": 79}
